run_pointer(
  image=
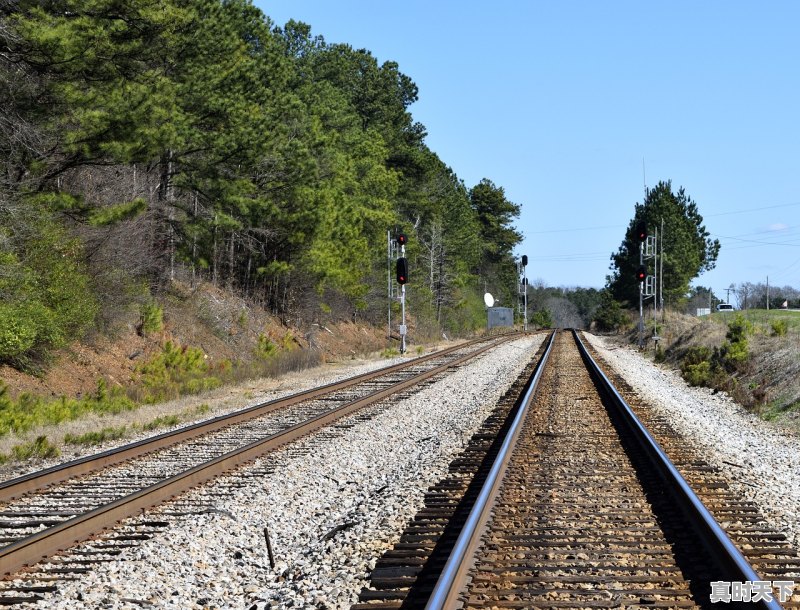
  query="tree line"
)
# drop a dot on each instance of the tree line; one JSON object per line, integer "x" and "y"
{"x": 152, "y": 140}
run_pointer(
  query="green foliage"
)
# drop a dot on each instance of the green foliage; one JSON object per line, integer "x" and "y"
{"x": 46, "y": 295}
{"x": 114, "y": 214}
{"x": 542, "y": 319}
{"x": 280, "y": 160}
{"x": 27, "y": 411}
{"x": 704, "y": 367}
{"x": 176, "y": 371}
{"x": 40, "y": 448}
{"x": 779, "y": 327}
{"x": 696, "y": 366}
{"x": 265, "y": 348}
{"x": 152, "y": 320}
{"x": 162, "y": 421}
{"x": 688, "y": 248}
{"x": 609, "y": 315}
{"x": 96, "y": 437}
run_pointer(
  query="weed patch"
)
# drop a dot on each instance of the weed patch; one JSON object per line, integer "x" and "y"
{"x": 96, "y": 437}
{"x": 40, "y": 448}
{"x": 28, "y": 411}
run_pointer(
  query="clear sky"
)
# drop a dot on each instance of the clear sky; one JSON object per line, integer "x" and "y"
{"x": 564, "y": 103}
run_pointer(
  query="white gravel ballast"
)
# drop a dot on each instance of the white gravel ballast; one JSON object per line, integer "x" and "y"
{"x": 330, "y": 512}
{"x": 761, "y": 460}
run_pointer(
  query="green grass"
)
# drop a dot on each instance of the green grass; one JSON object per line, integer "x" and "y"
{"x": 39, "y": 448}
{"x": 96, "y": 437}
{"x": 28, "y": 411}
{"x": 764, "y": 321}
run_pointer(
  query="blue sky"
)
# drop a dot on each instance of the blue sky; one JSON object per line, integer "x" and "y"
{"x": 561, "y": 102}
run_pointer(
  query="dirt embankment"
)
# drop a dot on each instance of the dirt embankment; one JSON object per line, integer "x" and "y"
{"x": 223, "y": 326}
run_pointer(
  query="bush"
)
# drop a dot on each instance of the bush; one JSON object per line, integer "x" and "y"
{"x": 40, "y": 448}
{"x": 265, "y": 348}
{"x": 95, "y": 438}
{"x": 609, "y": 315}
{"x": 542, "y": 319}
{"x": 47, "y": 297}
{"x": 696, "y": 366}
{"x": 152, "y": 318}
{"x": 779, "y": 327}
{"x": 698, "y": 374}
{"x": 176, "y": 371}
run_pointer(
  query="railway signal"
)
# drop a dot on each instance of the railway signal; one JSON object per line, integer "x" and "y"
{"x": 397, "y": 252}
{"x": 641, "y": 274}
{"x": 641, "y": 231}
{"x": 402, "y": 270}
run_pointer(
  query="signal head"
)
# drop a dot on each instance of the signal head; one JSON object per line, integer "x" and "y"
{"x": 401, "y": 239}
{"x": 641, "y": 231}
{"x": 641, "y": 273}
{"x": 402, "y": 270}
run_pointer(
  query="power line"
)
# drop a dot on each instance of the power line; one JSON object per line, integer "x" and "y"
{"x": 745, "y": 211}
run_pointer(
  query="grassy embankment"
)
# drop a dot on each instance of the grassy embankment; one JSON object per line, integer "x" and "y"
{"x": 752, "y": 355}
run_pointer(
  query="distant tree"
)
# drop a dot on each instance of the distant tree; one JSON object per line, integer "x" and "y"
{"x": 688, "y": 249}
{"x": 541, "y": 318}
{"x": 609, "y": 315}
{"x": 498, "y": 237}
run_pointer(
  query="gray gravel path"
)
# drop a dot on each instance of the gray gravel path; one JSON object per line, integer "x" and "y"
{"x": 330, "y": 512}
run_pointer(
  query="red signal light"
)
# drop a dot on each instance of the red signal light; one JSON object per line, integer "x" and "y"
{"x": 641, "y": 230}
{"x": 401, "y": 239}
{"x": 641, "y": 273}
{"x": 402, "y": 270}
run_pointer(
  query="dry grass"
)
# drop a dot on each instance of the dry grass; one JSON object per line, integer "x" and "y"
{"x": 770, "y": 383}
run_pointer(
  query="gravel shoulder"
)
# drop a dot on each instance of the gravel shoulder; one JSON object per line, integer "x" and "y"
{"x": 760, "y": 459}
{"x": 332, "y": 504}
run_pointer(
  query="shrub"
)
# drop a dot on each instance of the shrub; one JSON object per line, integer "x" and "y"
{"x": 542, "y": 319}
{"x": 175, "y": 371}
{"x": 696, "y": 366}
{"x": 27, "y": 411}
{"x": 152, "y": 318}
{"x": 47, "y": 297}
{"x": 265, "y": 348}
{"x": 40, "y": 448}
{"x": 779, "y": 327}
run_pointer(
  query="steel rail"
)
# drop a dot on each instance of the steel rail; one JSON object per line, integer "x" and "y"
{"x": 16, "y": 487}
{"x": 43, "y": 544}
{"x": 733, "y": 565}
{"x": 448, "y": 587}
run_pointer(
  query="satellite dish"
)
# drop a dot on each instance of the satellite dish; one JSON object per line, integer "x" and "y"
{"x": 488, "y": 299}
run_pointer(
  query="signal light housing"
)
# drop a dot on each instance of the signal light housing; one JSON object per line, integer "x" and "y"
{"x": 524, "y": 260}
{"x": 641, "y": 274}
{"x": 402, "y": 270}
{"x": 402, "y": 239}
{"x": 641, "y": 231}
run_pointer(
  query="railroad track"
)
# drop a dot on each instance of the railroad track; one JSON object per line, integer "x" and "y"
{"x": 573, "y": 506}
{"x": 49, "y": 511}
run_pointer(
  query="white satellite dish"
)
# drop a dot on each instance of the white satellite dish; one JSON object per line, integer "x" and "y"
{"x": 488, "y": 299}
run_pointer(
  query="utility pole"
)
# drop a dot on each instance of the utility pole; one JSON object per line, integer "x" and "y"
{"x": 767, "y": 293}
{"x": 525, "y": 292}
